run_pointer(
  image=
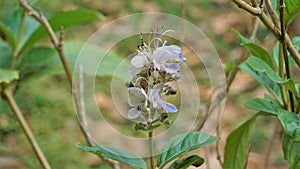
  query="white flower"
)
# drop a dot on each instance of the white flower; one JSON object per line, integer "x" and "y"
{"x": 167, "y": 57}
{"x": 137, "y": 100}
{"x": 155, "y": 99}
{"x": 139, "y": 62}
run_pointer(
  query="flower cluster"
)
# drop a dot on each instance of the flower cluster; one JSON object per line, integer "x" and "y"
{"x": 154, "y": 66}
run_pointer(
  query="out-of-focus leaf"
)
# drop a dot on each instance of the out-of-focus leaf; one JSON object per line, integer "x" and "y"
{"x": 181, "y": 144}
{"x": 263, "y": 79}
{"x": 116, "y": 154}
{"x": 65, "y": 19}
{"x": 34, "y": 59}
{"x": 29, "y": 26}
{"x": 8, "y": 34}
{"x": 184, "y": 163}
{"x": 291, "y": 10}
{"x": 106, "y": 67}
{"x": 261, "y": 66}
{"x": 5, "y": 54}
{"x": 7, "y": 76}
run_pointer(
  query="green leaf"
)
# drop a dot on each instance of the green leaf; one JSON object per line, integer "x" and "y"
{"x": 182, "y": 143}
{"x": 116, "y": 154}
{"x": 29, "y": 26}
{"x": 184, "y": 163}
{"x": 263, "y": 79}
{"x": 5, "y": 55}
{"x": 243, "y": 40}
{"x": 254, "y": 49}
{"x": 66, "y": 19}
{"x": 236, "y": 148}
{"x": 289, "y": 121}
{"x": 35, "y": 59}
{"x": 291, "y": 149}
{"x": 291, "y": 10}
{"x": 261, "y": 66}
{"x": 262, "y": 105}
{"x": 8, "y": 34}
{"x": 7, "y": 76}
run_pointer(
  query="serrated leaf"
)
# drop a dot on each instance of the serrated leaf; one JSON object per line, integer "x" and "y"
{"x": 7, "y": 76}
{"x": 181, "y": 144}
{"x": 291, "y": 10}
{"x": 254, "y": 49}
{"x": 66, "y": 19}
{"x": 184, "y": 163}
{"x": 236, "y": 148}
{"x": 116, "y": 154}
{"x": 263, "y": 79}
{"x": 261, "y": 66}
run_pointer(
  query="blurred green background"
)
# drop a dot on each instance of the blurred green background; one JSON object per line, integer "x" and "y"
{"x": 48, "y": 106}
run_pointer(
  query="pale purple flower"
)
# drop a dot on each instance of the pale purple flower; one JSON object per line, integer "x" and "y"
{"x": 137, "y": 100}
{"x": 155, "y": 99}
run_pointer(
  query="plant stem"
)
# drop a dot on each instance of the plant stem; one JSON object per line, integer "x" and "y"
{"x": 284, "y": 50}
{"x": 13, "y": 105}
{"x": 150, "y": 136}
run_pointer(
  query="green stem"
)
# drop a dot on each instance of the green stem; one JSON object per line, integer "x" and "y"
{"x": 13, "y": 105}
{"x": 281, "y": 74}
{"x": 150, "y": 136}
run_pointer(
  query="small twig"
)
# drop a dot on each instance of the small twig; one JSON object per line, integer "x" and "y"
{"x": 81, "y": 112}
{"x": 272, "y": 14}
{"x": 8, "y": 92}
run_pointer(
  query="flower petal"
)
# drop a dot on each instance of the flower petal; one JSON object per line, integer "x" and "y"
{"x": 174, "y": 49}
{"x": 171, "y": 67}
{"x": 137, "y": 96}
{"x": 170, "y": 108}
{"x": 161, "y": 55}
{"x": 134, "y": 113}
{"x": 139, "y": 61}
